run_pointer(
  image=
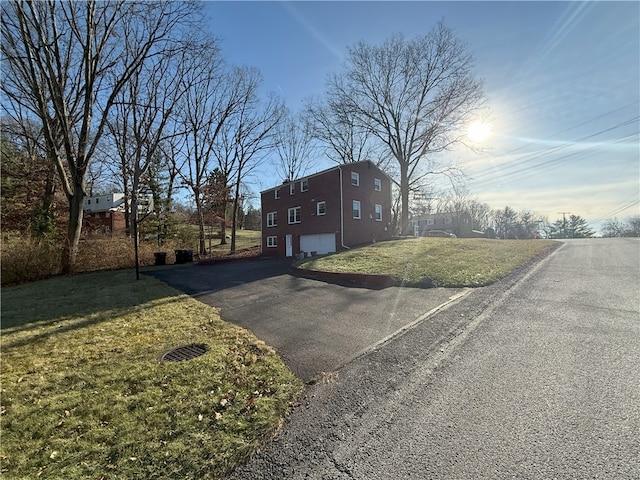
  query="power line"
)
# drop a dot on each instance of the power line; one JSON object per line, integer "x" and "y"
{"x": 574, "y": 126}
{"x": 549, "y": 164}
{"x": 534, "y": 156}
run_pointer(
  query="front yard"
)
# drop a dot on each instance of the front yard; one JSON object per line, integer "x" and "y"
{"x": 441, "y": 262}
{"x": 84, "y": 395}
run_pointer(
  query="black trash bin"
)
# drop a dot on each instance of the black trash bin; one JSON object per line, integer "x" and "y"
{"x": 161, "y": 258}
{"x": 184, "y": 256}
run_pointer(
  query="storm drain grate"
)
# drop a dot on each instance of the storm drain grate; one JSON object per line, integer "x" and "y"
{"x": 186, "y": 352}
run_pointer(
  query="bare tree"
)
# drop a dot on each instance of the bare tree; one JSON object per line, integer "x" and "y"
{"x": 248, "y": 135}
{"x": 214, "y": 95}
{"x": 142, "y": 116}
{"x": 294, "y": 146}
{"x": 413, "y": 97}
{"x": 344, "y": 140}
{"x": 66, "y": 62}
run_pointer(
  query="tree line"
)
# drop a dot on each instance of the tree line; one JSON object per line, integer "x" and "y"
{"x": 138, "y": 90}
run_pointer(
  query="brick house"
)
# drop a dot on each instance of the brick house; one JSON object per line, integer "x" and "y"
{"x": 105, "y": 213}
{"x": 328, "y": 211}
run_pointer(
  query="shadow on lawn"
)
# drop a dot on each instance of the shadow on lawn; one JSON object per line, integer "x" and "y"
{"x": 80, "y": 300}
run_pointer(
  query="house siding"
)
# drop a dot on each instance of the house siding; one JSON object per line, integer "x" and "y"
{"x": 326, "y": 187}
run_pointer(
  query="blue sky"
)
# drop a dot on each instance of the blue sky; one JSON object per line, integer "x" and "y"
{"x": 562, "y": 80}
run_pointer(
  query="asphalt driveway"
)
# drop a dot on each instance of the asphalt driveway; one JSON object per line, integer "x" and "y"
{"x": 315, "y": 326}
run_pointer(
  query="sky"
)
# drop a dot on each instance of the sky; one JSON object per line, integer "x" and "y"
{"x": 562, "y": 82}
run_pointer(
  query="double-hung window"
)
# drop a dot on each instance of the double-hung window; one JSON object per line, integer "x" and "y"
{"x": 321, "y": 208}
{"x": 377, "y": 184}
{"x": 277, "y": 193}
{"x": 378, "y": 211}
{"x": 294, "y": 215}
{"x": 272, "y": 219}
{"x": 356, "y": 209}
{"x": 304, "y": 185}
{"x": 292, "y": 188}
{"x": 355, "y": 179}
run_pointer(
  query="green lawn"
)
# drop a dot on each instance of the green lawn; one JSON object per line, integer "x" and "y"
{"x": 84, "y": 396}
{"x": 447, "y": 262}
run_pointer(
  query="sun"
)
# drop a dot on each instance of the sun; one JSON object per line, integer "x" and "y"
{"x": 478, "y": 132}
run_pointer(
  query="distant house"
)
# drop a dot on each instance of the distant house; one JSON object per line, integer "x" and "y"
{"x": 105, "y": 213}
{"x": 459, "y": 224}
{"x": 328, "y": 211}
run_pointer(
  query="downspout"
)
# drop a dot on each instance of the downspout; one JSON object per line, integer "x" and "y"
{"x": 342, "y": 213}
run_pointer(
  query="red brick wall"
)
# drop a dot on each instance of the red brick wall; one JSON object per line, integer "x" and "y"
{"x": 367, "y": 228}
{"x": 325, "y": 187}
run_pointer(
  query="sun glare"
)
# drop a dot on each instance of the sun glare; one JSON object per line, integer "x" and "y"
{"x": 478, "y": 132}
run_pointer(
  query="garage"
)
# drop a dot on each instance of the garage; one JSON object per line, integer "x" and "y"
{"x": 321, "y": 243}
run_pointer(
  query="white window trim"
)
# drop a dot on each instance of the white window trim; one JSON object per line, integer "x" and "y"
{"x": 377, "y": 208}
{"x": 272, "y": 242}
{"x": 272, "y": 219}
{"x": 277, "y": 194}
{"x": 293, "y": 209}
{"x": 304, "y": 185}
{"x": 353, "y": 209}
{"x": 318, "y": 208}
{"x": 292, "y": 189}
{"x": 377, "y": 184}
{"x": 355, "y": 176}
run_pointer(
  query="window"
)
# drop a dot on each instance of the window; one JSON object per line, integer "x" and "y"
{"x": 356, "y": 209}
{"x": 272, "y": 219}
{"x": 377, "y": 184}
{"x": 97, "y": 200}
{"x": 277, "y": 193}
{"x": 321, "y": 208}
{"x": 304, "y": 185}
{"x": 447, "y": 220}
{"x": 429, "y": 221}
{"x": 272, "y": 242}
{"x": 89, "y": 202}
{"x": 292, "y": 188}
{"x": 355, "y": 179}
{"x": 378, "y": 210}
{"x": 107, "y": 215}
{"x": 294, "y": 215}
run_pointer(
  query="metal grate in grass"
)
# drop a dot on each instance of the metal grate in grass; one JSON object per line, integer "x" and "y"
{"x": 186, "y": 352}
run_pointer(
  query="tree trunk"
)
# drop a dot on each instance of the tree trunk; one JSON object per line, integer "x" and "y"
{"x": 202, "y": 246}
{"x": 223, "y": 224}
{"x": 234, "y": 218}
{"x": 404, "y": 195}
{"x": 74, "y": 229}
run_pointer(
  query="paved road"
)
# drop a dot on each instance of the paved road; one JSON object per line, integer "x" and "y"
{"x": 541, "y": 382}
{"x": 316, "y": 327}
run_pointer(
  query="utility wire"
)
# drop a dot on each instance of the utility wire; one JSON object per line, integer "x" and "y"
{"x": 624, "y": 107}
{"x": 534, "y": 156}
{"x": 551, "y": 163}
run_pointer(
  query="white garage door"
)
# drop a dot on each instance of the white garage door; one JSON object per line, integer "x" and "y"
{"x": 321, "y": 243}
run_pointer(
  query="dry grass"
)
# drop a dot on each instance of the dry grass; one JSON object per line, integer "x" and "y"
{"x": 24, "y": 259}
{"x": 83, "y": 395}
